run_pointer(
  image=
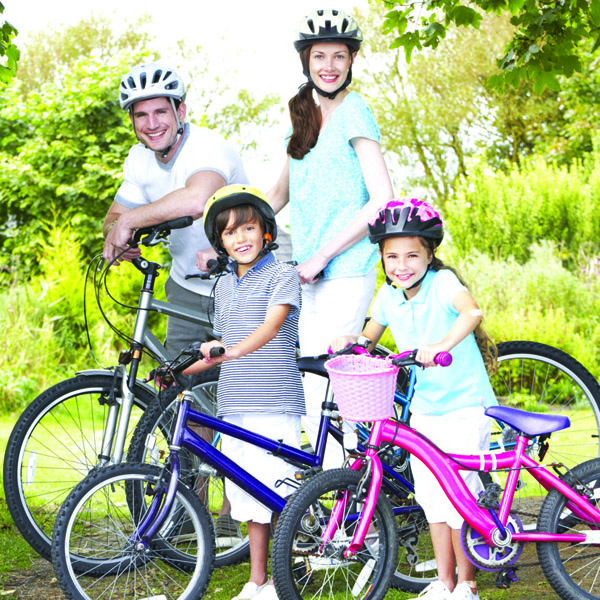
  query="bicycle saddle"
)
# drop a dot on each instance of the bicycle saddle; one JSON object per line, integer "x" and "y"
{"x": 530, "y": 424}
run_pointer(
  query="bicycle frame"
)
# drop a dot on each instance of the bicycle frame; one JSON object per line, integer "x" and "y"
{"x": 117, "y": 422}
{"x": 446, "y": 468}
{"x": 185, "y": 437}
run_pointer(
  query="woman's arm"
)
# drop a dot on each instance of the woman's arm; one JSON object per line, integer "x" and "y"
{"x": 279, "y": 194}
{"x": 379, "y": 186}
{"x": 469, "y": 316}
{"x": 274, "y": 319}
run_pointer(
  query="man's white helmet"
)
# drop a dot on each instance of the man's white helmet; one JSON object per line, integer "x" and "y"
{"x": 152, "y": 80}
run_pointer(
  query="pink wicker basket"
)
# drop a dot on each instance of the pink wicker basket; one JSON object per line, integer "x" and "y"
{"x": 363, "y": 386}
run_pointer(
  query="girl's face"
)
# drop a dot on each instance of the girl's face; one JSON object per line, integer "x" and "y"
{"x": 243, "y": 243}
{"x": 328, "y": 64}
{"x": 405, "y": 260}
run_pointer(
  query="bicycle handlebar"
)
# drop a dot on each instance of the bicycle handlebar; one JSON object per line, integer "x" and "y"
{"x": 153, "y": 234}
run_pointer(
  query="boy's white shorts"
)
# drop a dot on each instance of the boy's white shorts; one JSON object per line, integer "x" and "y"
{"x": 464, "y": 431}
{"x": 258, "y": 462}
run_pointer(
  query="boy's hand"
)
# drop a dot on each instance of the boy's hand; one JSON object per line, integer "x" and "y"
{"x": 339, "y": 343}
{"x": 206, "y": 347}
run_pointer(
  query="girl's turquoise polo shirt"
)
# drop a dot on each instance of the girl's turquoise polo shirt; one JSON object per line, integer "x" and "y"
{"x": 426, "y": 319}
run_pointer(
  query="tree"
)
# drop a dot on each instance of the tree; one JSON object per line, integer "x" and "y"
{"x": 543, "y": 47}
{"x": 8, "y": 49}
{"x": 52, "y": 51}
{"x": 437, "y": 111}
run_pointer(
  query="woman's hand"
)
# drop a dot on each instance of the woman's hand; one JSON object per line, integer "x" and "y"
{"x": 310, "y": 269}
{"x": 426, "y": 354}
{"x": 340, "y": 342}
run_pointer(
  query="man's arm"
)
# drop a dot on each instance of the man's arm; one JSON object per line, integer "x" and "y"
{"x": 186, "y": 201}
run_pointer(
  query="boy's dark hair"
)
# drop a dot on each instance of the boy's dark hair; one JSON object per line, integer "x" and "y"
{"x": 242, "y": 213}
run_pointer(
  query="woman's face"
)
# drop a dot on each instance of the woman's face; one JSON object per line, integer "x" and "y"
{"x": 329, "y": 64}
{"x": 405, "y": 260}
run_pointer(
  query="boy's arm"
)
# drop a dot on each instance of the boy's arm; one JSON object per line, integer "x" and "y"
{"x": 274, "y": 319}
{"x": 469, "y": 316}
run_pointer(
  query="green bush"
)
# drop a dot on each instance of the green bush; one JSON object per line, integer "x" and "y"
{"x": 45, "y": 331}
{"x": 503, "y": 213}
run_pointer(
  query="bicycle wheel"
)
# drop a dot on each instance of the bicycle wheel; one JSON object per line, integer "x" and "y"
{"x": 232, "y": 544}
{"x": 302, "y": 568}
{"x": 572, "y": 569}
{"x": 539, "y": 378}
{"x": 416, "y": 567}
{"x": 53, "y": 446}
{"x": 94, "y": 535}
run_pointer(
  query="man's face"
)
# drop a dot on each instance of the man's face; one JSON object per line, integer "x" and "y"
{"x": 155, "y": 123}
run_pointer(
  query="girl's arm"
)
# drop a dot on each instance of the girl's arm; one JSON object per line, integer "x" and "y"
{"x": 279, "y": 194}
{"x": 379, "y": 186}
{"x": 372, "y": 330}
{"x": 469, "y": 316}
{"x": 276, "y": 316}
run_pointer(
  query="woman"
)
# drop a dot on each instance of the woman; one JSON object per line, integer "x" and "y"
{"x": 334, "y": 179}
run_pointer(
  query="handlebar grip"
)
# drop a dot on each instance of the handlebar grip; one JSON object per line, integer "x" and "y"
{"x": 443, "y": 359}
{"x": 216, "y": 351}
{"x": 180, "y": 223}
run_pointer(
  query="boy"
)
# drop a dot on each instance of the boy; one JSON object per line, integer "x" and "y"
{"x": 257, "y": 306}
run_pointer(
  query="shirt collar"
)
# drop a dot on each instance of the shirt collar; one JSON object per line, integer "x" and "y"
{"x": 420, "y": 296}
{"x": 265, "y": 260}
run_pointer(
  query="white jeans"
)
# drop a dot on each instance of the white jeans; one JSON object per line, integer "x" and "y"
{"x": 330, "y": 308}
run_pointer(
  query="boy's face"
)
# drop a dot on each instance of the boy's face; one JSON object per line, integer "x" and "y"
{"x": 243, "y": 243}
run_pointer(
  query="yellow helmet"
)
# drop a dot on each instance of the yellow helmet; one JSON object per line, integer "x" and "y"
{"x": 235, "y": 195}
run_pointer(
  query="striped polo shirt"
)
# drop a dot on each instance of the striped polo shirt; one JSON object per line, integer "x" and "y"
{"x": 266, "y": 380}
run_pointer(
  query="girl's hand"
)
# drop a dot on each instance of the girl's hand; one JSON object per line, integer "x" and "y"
{"x": 339, "y": 343}
{"x": 309, "y": 269}
{"x": 426, "y": 354}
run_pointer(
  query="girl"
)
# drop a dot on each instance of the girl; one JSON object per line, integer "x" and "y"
{"x": 334, "y": 178}
{"x": 427, "y": 307}
{"x": 256, "y": 316}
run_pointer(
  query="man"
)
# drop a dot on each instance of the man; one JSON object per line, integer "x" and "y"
{"x": 172, "y": 172}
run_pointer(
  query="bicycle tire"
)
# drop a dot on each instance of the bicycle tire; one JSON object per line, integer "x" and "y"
{"x": 94, "y": 535}
{"x": 539, "y": 378}
{"x": 573, "y": 570}
{"x": 301, "y": 570}
{"x": 157, "y": 422}
{"x": 527, "y": 373}
{"x": 53, "y": 445}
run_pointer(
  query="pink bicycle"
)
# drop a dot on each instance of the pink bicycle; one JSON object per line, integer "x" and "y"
{"x": 337, "y": 532}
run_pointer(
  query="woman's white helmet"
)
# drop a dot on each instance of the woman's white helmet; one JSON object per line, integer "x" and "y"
{"x": 151, "y": 80}
{"x": 328, "y": 25}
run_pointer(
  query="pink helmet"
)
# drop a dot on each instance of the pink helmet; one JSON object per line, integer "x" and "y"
{"x": 404, "y": 218}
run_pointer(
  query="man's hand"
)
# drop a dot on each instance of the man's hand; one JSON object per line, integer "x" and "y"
{"x": 117, "y": 240}
{"x": 203, "y": 256}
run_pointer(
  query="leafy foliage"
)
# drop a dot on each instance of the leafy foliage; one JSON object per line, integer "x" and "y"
{"x": 51, "y": 52}
{"x": 502, "y": 214}
{"x": 65, "y": 162}
{"x": 8, "y": 49}
{"x": 542, "y": 49}
{"x": 437, "y": 111}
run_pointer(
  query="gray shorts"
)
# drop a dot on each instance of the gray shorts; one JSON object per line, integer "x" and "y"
{"x": 181, "y": 333}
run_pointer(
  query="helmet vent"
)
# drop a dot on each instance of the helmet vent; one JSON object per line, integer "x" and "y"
{"x": 156, "y": 77}
{"x": 328, "y": 24}
{"x": 143, "y": 81}
{"x": 311, "y": 25}
{"x": 344, "y": 25}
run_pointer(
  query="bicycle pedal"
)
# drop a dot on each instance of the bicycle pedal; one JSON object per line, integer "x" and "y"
{"x": 505, "y": 578}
